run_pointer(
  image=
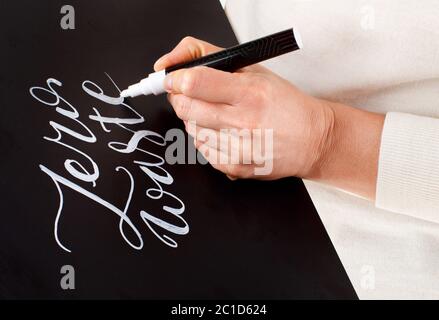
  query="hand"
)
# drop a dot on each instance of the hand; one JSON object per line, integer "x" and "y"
{"x": 298, "y": 135}
{"x": 254, "y": 98}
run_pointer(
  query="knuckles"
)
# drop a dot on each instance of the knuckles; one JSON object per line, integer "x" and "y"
{"x": 237, "y": 171}
{"x": 182, "y": 106}
{"x": 188, "y": 40}
{"x": 259, "y": 89}
{"x": 189, "y": 81}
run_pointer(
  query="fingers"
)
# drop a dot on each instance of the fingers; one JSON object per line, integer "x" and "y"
{"x": 232, "y": 171}
{"x": 188, "y": 49}
{"x": 202, "y": 135}
{"x": 205, "y": 114}
{"x": 222, "y": 156}
{"x": 207, "y": 84}
{"x": 234, "y": 149}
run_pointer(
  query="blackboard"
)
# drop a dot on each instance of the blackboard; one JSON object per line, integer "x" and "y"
{"x": 240, "y": 239}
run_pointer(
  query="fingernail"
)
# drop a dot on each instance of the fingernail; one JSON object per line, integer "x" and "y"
{"x": 168, "y": 83}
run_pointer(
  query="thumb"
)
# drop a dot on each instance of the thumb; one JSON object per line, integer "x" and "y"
{"x": 188, "y": 49}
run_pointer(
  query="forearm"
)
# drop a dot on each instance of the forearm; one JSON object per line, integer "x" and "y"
{"x": 349, "y": 157}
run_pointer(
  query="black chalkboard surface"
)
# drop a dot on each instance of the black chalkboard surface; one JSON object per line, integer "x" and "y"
{"x": 186, "y": 230}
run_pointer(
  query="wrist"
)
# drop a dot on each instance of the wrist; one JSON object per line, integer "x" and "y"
{"x": 349, "y": 152}
{"x": 323, "y": 121}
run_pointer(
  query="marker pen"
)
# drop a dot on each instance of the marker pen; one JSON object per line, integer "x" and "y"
{"x": 230, "y": 60}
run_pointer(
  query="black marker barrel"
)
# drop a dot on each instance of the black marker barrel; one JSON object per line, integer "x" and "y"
{"x": 247, "y": 53}
{"x": 230, "y": 60}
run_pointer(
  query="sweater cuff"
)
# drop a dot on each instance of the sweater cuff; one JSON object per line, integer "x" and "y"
{"x": 408, "y": 167}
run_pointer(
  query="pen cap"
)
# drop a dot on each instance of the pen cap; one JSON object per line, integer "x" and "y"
{"x": 248, "y": 53}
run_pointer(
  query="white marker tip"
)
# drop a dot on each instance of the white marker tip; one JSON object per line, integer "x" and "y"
{"x": 124, "y": 94}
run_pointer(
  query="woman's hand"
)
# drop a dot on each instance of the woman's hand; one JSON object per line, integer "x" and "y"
{"x": 254, "y": 124}
{"x": 254, "y": 98}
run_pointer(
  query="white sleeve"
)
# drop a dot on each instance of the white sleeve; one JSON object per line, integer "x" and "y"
{"x": 408, "y": 167}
